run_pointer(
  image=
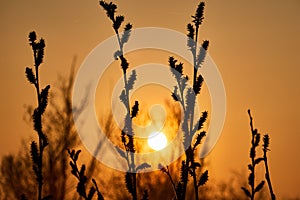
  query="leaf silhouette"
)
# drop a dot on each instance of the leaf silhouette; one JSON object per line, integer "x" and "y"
{"x": 183, "y": 82}
{"x": 259, "y": 186}
{"x": 191, "y": 35}
{"x": 82, "y": 179}
{"x": 198, "y": 84}
{"x": 266, "y": 142}
{"x": 257, "y": 139}
{"x": 110, "y": 9}
{"x": 131, "y": 80}
{"x": 176, "y": 69}
{"x": 135, "y": 109}
{"x": 123, "y": 97}
{"x": 143, "y": 166}
{"x": 258, "y": 160}
{"x": 118, "y": 21}
{"x": 198, "y": 17}
{"x": 30, "y": 76}
{"x": 246, "y": 191}
{"x": 251, "y": 179}
{"x": 40, "y": 52}
{"x": 201, "y": 121}
{"x": 203, "y": 178}
{"x": 121, "y": 152}
{"x": 127, "y": 126}
{"x": 91, "y": 193}
{"x": 71, "y": 153}
{"x": 126, "y": 34}
{"x": 200, "y": 136}
{"x": 76, "y": 154}
{"x": 37, "y": 123}
{"x": 32, "y": 37}
{"x": 117, "y": 54}
{"x": 124, "y": 63}
{"x": 190, "y": 102}
{"x": 44, "y": 99}
{"x": 34, "y": 153}
{"x": 202, "y": 53}
{"x": 175, "y": 94}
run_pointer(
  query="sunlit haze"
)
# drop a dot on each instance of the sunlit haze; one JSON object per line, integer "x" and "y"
{"x": 255, "y": 45}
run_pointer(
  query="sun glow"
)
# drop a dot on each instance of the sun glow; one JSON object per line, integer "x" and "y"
{"x": 157, "y": 141}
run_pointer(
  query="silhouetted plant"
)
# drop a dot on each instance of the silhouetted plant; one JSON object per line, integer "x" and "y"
{"x": 266, "y": 142}
{"x": 82, "y": 178}
{"x": 37, "y": 149}
{"x": 167, "y": 172}
{"x": 186, "y": 96}
{"x": 58, "y": 125}
{"x": 255, "y": 161}
{"x": 127, "y": 134}
{"x": 61, "y": 134}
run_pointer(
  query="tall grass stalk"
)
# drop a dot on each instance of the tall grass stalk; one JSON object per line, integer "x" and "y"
{"x": 266, "y": 142}
{"x": 127, "y": 134}
{"x": 186, "y": 96}
{"x": 255, "y": 139}
{"x": 37, "y": 150}
{"x": 79, "y": 173}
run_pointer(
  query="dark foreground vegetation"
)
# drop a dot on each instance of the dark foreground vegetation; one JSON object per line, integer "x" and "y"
{"x": 51, "y": 166}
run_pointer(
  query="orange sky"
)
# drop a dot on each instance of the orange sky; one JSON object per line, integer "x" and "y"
{"x": 255, "y": 44}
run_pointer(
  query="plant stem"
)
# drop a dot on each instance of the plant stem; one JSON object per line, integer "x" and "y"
{"x": 192, "y": 116}
{"x": 267, "y": 175}
{"x": 252, "y": 157}
{"x": 134, "y": 194}
{"x": 172, "y": 182}
{"x": 195, "y": 183}
{"x": 40, "y": 164}
{"x": 131, "y": 163}
{"x": 186, "y": 172}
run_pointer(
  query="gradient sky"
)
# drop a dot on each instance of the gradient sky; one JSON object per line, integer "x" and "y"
{"x": 255, "y": 44}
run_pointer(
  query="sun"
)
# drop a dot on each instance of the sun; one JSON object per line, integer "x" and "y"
{"x": 157, "y": 141}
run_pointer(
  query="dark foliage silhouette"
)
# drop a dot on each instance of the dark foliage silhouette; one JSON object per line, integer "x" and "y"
{"x": 58, "y": 124}
{"x": 255, "y": 161}
{"x": 37, "y": 149}
{"x": 266, "y": 142}
{"x": 38, "y": 170}
{"x": 127, "y": 134}
{"x": 82, "y": 178}
{"x": 186, "y": 96}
